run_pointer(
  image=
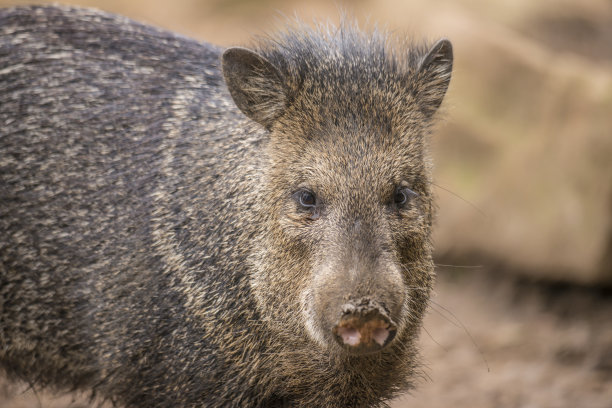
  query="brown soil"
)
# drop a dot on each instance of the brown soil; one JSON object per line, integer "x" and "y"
{"x": 494, "y": 341}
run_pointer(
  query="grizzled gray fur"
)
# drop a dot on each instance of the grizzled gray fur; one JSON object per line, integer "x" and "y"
{"x": 183, "y": 226}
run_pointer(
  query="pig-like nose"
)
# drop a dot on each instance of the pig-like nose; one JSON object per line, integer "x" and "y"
{"x": 364, "y": 329}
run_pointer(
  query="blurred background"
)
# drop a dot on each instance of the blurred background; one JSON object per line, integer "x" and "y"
{"x": 522, "y": 315}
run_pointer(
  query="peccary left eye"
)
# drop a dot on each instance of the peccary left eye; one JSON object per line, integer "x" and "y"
{"x": 403, "y": 195}
{"x": 306, "y": 199}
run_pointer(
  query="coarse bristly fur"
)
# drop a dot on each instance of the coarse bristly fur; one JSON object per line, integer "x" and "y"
{"x": 156, "y": 248}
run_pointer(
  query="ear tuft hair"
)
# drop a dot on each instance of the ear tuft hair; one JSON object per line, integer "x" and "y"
{"x": 255, "y": 85}
{"x": 435, "y": 73}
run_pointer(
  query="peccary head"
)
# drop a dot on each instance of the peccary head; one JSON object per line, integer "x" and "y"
{"x": 343, "y": 261}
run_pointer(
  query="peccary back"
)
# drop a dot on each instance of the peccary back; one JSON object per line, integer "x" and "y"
{"x": 184, "y": 226}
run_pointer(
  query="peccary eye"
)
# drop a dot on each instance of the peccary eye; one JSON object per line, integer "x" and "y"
{"x": 306, "y": 199}
{"x": 403, "y": 195}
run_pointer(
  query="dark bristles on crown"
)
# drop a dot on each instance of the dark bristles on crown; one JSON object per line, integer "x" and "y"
{"x": 341, "y": 62}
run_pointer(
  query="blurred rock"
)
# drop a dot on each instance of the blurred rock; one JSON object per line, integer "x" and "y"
{"x": 534, "y": 153}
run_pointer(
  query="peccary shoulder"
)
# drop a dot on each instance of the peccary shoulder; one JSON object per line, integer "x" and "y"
{"x": 182, "y": 225}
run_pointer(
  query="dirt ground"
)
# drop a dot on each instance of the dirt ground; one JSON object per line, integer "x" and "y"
{"x": 494, "y": 341}
{"x": 487, "y": 342}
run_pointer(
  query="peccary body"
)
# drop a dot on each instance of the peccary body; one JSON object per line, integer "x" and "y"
{"x": 182, "y": 226}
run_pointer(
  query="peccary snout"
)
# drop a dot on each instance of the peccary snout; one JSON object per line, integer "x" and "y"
{"x": 364, "y": 328}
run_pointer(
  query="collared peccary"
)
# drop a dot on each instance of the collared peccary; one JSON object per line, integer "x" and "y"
{"x": 186, "y": 226}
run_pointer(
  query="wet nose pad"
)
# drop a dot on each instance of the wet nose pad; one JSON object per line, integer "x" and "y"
{"x": 364, "y": 330}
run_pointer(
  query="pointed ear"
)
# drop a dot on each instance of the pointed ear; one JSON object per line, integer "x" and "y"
{"x": 434, "y": 75}
{"x": 255, "y": 85}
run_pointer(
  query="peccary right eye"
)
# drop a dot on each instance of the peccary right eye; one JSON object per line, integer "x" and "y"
{"x": 403, "y": 195}
{"x": 306, "y": 199}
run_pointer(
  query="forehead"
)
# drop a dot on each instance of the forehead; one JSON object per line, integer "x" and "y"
{"x": 340, "y": 156}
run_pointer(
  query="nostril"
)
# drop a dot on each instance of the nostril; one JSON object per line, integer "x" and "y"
{"x": 349, "y": 335}
{"x": 380, "y": 335}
